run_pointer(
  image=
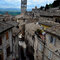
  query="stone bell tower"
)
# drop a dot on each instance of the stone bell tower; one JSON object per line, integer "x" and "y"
{"x": 23, "y": 6}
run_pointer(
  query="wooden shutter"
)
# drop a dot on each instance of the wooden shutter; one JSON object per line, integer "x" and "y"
{"x": 7, "y": 37}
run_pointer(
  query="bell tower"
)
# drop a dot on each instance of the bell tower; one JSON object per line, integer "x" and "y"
{"x": 23, "y": 6}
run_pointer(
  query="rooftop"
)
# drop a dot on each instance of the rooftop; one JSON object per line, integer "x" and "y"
{"x": 48, "y": 23}
{"x": 14, "y": 23}
{"x": 19, "y": 16}
{"x": 32, "y": 27}
{"x": 55, "y": 30}
{"x": 45, "y": 13}
{"x": 51, "y": 13}
{"x": 4, "y": 26}
{"x": 16, "y": 31}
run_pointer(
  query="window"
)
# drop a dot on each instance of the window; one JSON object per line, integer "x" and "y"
{"x": 8, "y": 51}
{"x": 7, "y": 37}
{"x": 0, "y": 40}
{"x": 52, "y": 40}
{"x": 49, "y": 54}
{"x": 41, "y": 47}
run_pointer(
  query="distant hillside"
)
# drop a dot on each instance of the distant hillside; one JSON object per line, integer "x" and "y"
{"x": 11, "y": 11}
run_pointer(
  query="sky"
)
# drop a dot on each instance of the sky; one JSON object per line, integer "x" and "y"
{"x": 17, "y": 3}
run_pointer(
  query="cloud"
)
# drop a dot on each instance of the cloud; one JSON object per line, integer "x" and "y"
{"x": 12, "y": 1}
{"x": 38, "y": 3}
{"x": 17, "y": 3}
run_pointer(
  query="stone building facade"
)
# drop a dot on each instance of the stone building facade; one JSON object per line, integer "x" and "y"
{"x": 15, "y": 35}
{"x": 52, "y": 43}
{"x": 6, "y": 41}
{"x": 35, "y": 35}
{"x": 40, "y": 36}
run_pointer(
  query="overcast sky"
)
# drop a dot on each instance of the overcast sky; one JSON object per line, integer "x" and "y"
{"x": 17, "y": 3}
